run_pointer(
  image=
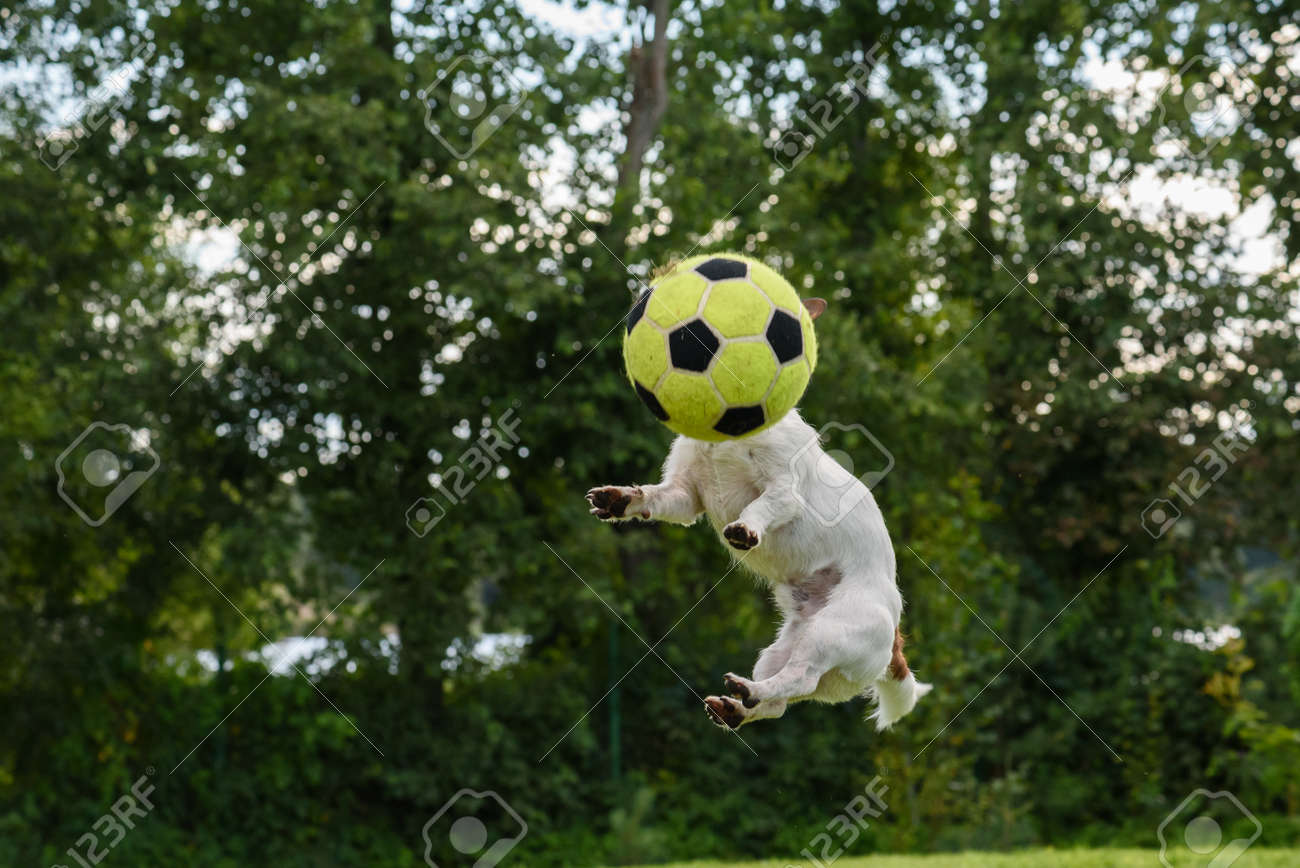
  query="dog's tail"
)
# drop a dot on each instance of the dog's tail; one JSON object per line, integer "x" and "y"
{"x": 894, "y": 699}
{"x": 897, "y": 691}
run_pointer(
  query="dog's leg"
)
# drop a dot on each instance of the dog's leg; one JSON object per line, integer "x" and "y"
{"x": 740, "y": 706}
{"x": 676, "y": 499}
{"x": 773, "y": 508}
{"x": 772, "y": 658}
{"x": 730, "y": 710}
{"x": 671, "y": 501}
{"x": 854, "y": 638}
{"x": 796, "y": 680}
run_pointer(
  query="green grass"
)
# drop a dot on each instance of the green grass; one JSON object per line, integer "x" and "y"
{"x": 1256, "y": 857}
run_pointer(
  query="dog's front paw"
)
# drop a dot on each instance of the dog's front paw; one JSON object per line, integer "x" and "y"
{"x": 613, "y": 502}
{"x": 724, "y": 711}
{"x": 739, "y": 536}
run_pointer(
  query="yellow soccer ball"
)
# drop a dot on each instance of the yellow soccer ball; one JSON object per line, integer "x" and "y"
{"x": 719, "y": 347}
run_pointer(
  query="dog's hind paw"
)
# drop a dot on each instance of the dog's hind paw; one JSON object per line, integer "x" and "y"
{"x": 739, "y": 536}
{"x": 726, "y": 712}
{"x": 739, "y": 688}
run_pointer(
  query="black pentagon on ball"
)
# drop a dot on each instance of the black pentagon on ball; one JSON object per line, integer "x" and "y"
{"x": 692, "y": 346}
{"x": 722, "y": 269}
{"x": 648, "y": 398}
{"x": 638, "y": 310}
{"x": 740, "y": 420}
{"x": 785, "y": 336}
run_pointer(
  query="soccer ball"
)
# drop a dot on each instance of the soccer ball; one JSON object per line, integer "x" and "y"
{"x": 719, "y": 347}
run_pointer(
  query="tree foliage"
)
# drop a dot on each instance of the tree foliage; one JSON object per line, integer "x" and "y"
{"x": 1059, "y": 245}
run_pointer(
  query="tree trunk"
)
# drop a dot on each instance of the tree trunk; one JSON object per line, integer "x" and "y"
{"x": 648, "y": 65}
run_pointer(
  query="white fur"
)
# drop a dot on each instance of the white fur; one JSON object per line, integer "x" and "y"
{"x": 809, "y": 514}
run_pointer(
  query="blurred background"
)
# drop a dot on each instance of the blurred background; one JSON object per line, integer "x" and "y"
{"x": 311, "y": 350}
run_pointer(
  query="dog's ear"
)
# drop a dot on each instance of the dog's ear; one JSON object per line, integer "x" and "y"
{"x": 815, "y": 306}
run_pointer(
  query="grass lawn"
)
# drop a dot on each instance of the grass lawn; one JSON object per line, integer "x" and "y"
{"x": 1256, "y": 857}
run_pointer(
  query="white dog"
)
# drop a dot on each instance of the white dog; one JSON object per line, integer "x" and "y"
{"x": 814, "y": 533}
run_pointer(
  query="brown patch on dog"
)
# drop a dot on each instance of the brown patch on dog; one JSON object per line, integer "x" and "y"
{"x": 810, "y": 594}
{"x": 898, "y": 664}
